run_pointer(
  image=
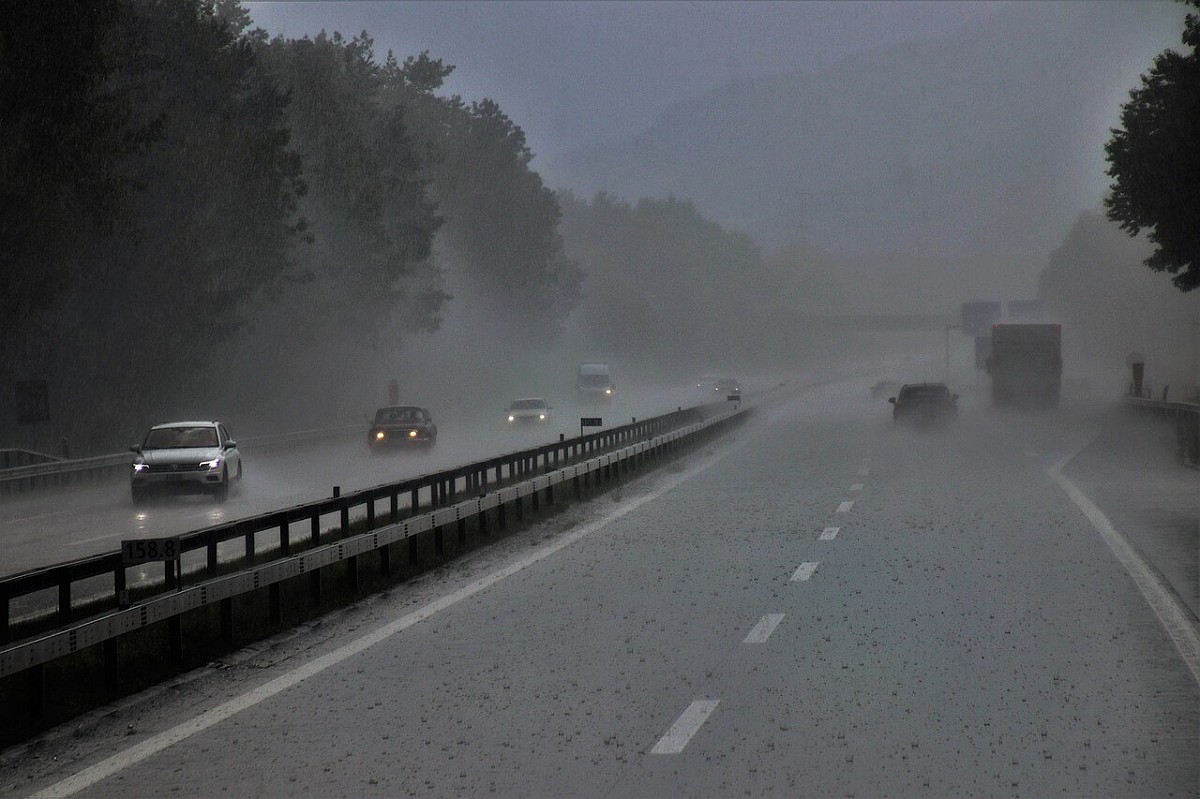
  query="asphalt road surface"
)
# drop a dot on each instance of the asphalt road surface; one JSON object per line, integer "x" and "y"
{"x": 819, "y": 604}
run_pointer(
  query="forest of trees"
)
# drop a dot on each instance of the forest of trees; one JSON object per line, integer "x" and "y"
{"x": 177, "y": 187}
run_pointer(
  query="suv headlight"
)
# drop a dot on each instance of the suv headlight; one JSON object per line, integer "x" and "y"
{"x": 140, "y": 466}
{"x": 412, "y": 433}
{"x": 210, "y": 465}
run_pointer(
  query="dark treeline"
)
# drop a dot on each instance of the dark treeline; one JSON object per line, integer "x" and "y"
{"x": 667, "y": 286}
{"x": 174, "y": 183}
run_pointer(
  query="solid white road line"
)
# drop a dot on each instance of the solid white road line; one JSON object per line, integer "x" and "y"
{"x": 1174, "y": 617}
{"x": 805, "y": 571}
{"x": 845, "y": 506}
{"x": 157, "y": 743}
{"x": 856, "y": 487}
{"x": 762, "y": 631}
{"x": 685, "y": 727}
{"x": 829, "y": 533}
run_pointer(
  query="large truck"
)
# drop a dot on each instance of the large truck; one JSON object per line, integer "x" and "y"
{"x": 594, "y": 382}
{"x": 1026, "y": 365}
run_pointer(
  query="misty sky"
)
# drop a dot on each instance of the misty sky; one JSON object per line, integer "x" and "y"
{"x": 579, "y": 73}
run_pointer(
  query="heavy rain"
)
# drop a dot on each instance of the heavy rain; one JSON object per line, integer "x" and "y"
{"x": 600, "y": 399}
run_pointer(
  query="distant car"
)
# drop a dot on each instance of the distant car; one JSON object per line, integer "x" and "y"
{"x": 195, "y": 457}
{"x": 402, "y": 426}
{"x": 530, "y": 410}
{"x": 707, "y": 383}
{"x": 924, "y": 405}
{"x": 727, "y": 385}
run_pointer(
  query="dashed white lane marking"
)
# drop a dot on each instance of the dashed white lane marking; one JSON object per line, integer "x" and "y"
{"x": 209, "y": 718}
{"x": 805, "y": 571}
{"x": 687, "y": 725}
{"x": 856, "y": 487}
{"x": 829, "y": 533}
{"x": 1171, "y": 613}
{"x": 845, "y": 506}
{"x": 762, "y": 631}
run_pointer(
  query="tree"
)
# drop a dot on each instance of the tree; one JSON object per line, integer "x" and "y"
{"x": 1154, "y": 160}
{"x": 65, "y": 131}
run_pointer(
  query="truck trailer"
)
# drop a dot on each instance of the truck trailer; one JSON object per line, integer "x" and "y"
{"x": 594, "y": 382}
{"x": 1026, "y": 365}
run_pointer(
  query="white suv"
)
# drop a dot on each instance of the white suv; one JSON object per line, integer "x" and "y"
{"x": 185, "y": 457}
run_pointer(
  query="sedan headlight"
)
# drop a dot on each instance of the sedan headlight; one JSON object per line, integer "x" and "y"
{"x": 541, "y": 417}
{"x": 380, "y": 435}
{"x": 210, "y": 465}
{"x": 512, "y": 418}
{"x": 608, "y": 391}
{"x": 140, "y": 466}
{"x": 412, "y": 433}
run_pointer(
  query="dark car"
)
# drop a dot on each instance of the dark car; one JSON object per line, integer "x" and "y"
{"x": 924, "y": 404}
{"x": 727, "y": 386}
{"x": 402, "y": 426}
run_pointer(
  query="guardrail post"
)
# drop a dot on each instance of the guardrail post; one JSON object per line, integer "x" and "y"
{"x": 462, "y": 532}
{"x": 385, "y": 560}
{"x": 394, "y": 508}
{"x": 285, "y": 539}
{"x": 314, "y": 529}
{"x": 439, "y": 541}
{"x": 414, "y": 501}
{"x": 502, "y": 516}
{"x": 483, "y": 523}
{"x": 273, "y": 605}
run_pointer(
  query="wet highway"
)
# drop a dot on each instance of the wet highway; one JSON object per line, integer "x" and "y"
{"x": 819, "y": 604}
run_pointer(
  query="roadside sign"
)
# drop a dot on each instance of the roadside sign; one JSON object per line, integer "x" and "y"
{"x": 734, "y": 398}
{"x": 591, "y": 421}
{"x": 33, "y": 401}
{"x": 145, "y": 550}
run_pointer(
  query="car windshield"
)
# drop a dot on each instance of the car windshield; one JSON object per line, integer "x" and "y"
{"x": 180, "y": 437}
{"x": 528, "y": 405}
{"x": 394, "y": 415}
{"x": 911, "y": 393}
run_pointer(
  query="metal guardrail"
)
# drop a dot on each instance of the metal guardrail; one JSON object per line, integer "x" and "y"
{"x": 435, "y": 490}
{"x": 70, "y": 472}
{"x": 1184, "y": 415}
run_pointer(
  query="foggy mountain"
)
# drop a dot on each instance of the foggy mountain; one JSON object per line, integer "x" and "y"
{"x": 960, "y": 161}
